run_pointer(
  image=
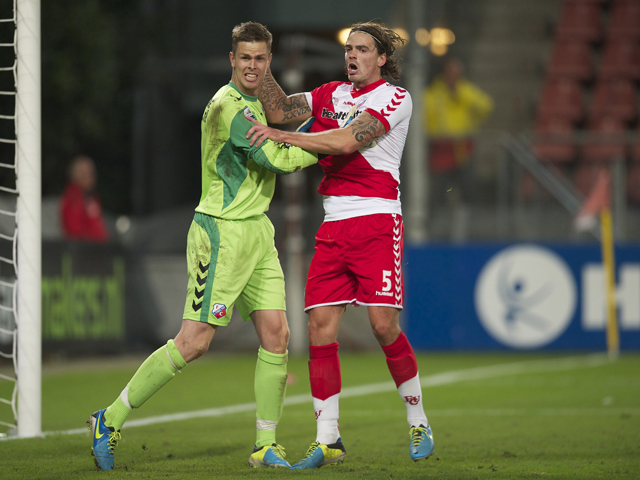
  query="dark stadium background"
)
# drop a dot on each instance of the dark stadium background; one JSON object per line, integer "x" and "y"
{"x": 126, "y": 82}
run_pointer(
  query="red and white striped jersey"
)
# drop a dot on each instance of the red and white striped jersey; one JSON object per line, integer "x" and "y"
{"x": 366, "y": 181}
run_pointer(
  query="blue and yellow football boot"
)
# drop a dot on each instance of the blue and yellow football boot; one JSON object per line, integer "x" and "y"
{"x": 105, "y": 440}
{"x": 269, "y": 456}
{"x": 421, "y": 442}
{"x": 320, "y": 454}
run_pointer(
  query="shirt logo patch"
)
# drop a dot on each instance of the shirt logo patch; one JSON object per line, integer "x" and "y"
{"x": 249, "y": 114}
{"x": 219, "y": 310}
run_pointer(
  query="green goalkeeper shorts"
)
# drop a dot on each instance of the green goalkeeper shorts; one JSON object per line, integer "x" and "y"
{"x": 232, "y": 262}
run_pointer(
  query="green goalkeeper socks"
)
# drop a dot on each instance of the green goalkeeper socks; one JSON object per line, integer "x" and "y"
{"x": 160, "y": 367}
{"x": 153, "y": 374}
{"x": 270, "y": 386}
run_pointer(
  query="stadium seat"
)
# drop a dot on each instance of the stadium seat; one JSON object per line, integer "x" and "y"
{"x": 634, "y": 149}
{"x": 586, "y": 175}
{"x": 624, "y": 20}
{"x": 614, "y": 98}
{"x": 530, "y": 190}
{"x": 633, "y": 183}
{"x": 620, "y": 59}
{"x": 554, "y": 140}
{"x": 580, "y": 20}
{"x": 606, "y": 142}
{"x": 571, "y": 59}
{"x": 561, "y": 98}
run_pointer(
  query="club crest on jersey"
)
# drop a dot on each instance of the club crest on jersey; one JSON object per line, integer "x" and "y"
{"x": 249, "y": 114}
{"x": 219, "y": 310}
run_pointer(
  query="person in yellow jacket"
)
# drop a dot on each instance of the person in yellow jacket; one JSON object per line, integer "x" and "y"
{"x": 454, "y": 110}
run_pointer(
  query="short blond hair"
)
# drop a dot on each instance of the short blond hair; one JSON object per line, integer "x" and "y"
{"x": 250, "y": 32}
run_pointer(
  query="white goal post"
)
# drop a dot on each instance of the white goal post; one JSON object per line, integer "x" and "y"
{"x": 29, "y": 206}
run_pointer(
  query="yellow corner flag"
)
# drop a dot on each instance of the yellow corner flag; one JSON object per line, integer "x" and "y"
{"x": 599, "y": 201}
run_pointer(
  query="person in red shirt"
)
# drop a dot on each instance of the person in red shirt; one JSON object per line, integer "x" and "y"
{"x": 80, "y": 208}
{"x": 361, "y": 127}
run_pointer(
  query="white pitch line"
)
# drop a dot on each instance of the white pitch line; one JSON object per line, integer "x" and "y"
{"x": 497, "y": 412}
{"x": 541, "y": 412}
{"x": 446, "y": 378}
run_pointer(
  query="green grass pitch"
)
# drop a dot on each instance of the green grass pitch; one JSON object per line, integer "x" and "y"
{"x": 523, "y": 416}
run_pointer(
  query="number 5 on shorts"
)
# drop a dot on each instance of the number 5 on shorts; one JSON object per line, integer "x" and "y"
{"x": 386, "y": 280}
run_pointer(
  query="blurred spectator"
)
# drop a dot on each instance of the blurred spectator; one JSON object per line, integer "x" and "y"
{"x": 80, "y": 208}
{"x": 454, "y": 111}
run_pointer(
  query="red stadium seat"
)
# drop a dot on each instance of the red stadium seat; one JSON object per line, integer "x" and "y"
{"x": 561, "y": 98}
{"x": 624, "y": 20}
{"x": 635, "y": 152}
{"x": 614, "y": 98}
{"x": 633, "y": 183}
{"x": 571, "y": 59}
{"x": 554, "y": 141}
{"x": 529, "y": 189}
{"x": 580, "y": 20}
{"x": 634, "y": 149}
{"x": 607, "y": 142}
{"x": 586, "y": 176}
{"x": 620, "y": 59}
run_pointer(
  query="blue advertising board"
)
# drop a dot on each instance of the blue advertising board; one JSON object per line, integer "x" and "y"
{"x": 521, "y": 296}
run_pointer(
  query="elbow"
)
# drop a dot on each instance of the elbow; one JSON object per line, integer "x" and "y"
{"x": 348, "y": 147}
{"x": 271, "y": 118}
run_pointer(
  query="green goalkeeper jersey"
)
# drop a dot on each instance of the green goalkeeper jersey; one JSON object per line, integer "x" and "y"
{"x": 238, "y": 180}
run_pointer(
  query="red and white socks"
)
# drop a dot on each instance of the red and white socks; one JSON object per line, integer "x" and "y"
{"x": 326, "y": 383}
{"x": 403, "y": 367}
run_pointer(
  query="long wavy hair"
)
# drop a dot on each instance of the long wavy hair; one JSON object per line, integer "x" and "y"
{"x": 387, "y": 41}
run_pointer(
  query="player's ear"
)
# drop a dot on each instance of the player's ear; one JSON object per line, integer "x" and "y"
{"x": 269, "y": 61}
{"x": 382, "y": 59}
{"x": 232, "y": 60}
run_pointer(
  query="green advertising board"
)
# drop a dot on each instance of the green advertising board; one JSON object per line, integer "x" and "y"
{"x": 83, "y": 298}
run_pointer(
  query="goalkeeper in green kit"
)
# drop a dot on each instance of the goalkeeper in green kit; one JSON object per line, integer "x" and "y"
{"x": 231, "y": 256}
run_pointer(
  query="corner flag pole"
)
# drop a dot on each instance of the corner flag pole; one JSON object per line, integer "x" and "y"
{"x": 608, "y": 260}
{"x": 599, "y": 202}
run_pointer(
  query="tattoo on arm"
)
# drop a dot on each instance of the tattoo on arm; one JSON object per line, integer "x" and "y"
{"x": 295, "y": 106}
{"x": 274, "y": 100}
{"x": 366, "y": 129}
{"x": 271, "y": 95}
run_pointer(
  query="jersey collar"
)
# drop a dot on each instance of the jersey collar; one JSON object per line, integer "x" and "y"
{"x": 356, "y": 93}
{"x": 244, "y": 95}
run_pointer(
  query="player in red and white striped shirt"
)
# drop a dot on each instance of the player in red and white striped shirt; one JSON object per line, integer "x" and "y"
{"x": 362, "y": 126}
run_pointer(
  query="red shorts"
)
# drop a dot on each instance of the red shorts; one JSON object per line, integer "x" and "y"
{"x": 358, "y": 261}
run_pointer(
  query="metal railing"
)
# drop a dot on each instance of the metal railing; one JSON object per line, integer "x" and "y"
{"x": 518, "y": 150}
